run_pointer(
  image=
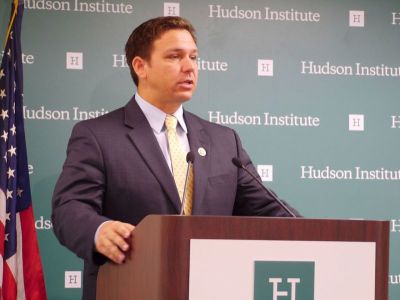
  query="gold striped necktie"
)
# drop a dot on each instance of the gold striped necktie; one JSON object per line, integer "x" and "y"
{"x": 179, "y": 164}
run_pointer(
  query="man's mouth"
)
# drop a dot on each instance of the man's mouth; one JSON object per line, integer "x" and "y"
{"x": 188, "y": 83}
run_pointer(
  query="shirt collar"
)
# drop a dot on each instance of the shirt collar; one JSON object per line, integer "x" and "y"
{"x": 156, "y": 117}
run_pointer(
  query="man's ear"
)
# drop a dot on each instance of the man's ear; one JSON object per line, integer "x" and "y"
{"x": 139, "y": 65}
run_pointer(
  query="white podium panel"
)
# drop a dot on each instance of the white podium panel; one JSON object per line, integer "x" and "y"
{"x": 231, "y": 269}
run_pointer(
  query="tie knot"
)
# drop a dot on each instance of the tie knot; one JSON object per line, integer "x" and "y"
{"x": 171, "y": 122}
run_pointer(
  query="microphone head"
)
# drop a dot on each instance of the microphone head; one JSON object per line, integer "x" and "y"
{"x": 237, "y": 162}
{"x": 190, "y": 157}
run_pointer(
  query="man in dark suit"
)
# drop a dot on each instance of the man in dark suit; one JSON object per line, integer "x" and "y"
{"x": 120, "y": 168}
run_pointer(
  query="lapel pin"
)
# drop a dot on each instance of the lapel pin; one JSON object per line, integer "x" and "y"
{"x": 202, "y": 151}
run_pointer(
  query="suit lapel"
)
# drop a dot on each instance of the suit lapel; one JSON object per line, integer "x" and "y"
{"x": 145, "y": 142}
{"x": 200, "y": 146}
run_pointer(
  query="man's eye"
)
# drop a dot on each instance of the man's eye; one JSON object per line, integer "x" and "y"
{"x": 194, "y": 57}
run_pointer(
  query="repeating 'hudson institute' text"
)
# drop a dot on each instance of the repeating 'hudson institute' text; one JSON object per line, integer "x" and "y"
{"x": 64, "y": 115}
{"x": 266, "y": 119}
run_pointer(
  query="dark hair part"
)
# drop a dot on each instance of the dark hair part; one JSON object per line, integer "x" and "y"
{"x": 141, "y": 40}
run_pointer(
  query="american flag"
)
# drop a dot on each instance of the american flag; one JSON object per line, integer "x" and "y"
{"x": 21, "y": 274}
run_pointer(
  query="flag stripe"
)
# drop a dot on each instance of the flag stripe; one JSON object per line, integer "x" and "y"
{"x": 21, "y": 271}
{"x": 20, "y": 265}
{"x": 2, "y": 228}
{"x": 34, "y": 289}
{"x": 9, "y": 285}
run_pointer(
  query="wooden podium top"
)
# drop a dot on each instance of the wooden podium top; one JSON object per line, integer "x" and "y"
{"x": 158, "y": 266}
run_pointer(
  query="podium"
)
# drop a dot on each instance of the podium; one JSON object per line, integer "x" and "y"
{"x": 164, "y": 263}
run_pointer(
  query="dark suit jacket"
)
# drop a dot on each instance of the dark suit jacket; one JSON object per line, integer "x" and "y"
{"x": 115, "y": 170}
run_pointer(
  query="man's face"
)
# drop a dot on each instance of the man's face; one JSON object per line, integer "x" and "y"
{"x": 170, "y": 75}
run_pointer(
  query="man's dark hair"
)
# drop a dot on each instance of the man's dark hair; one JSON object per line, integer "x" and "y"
{"x": 140, "y": 42}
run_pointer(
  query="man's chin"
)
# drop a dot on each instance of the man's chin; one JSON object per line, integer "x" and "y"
{"x": 185, "y": 96}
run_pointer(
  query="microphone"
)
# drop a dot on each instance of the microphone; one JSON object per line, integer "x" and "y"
{"x": 238, "y": 163}
{"x": 190, "y": 161}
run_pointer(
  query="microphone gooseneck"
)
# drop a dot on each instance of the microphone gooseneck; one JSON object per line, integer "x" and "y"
{"x": 190, "y": 161}
{"x": 238, "y": 163}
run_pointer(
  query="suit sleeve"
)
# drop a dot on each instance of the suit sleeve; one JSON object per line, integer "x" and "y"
{"x": 78, "y": 195}
{"x": 251, "y": 199}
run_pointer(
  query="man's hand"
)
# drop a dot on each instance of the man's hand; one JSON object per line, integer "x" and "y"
{"x": 112, "y": 240}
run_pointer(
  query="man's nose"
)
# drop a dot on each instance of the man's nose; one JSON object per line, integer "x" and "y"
{"x": 188, "y": 64}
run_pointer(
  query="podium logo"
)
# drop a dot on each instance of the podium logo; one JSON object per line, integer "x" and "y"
{"x": 284, "y": 280}
{"x": 171, "y": 9}
{"x": 72, "y": 279}
{"x": 356, "y": 18}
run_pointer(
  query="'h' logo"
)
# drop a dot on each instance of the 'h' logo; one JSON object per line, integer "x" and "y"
{"x": 265, "y": 67}
{"x": 284, "y": 280}
{"x": 356, "y": 122}
{"x": 356, "y": 18}
{"x": 72, "y": 279}
{"x": 276, "y": 293}
{"x": 74, "y": 61}
{"x": 266, "y": 172}
{"x": 171, "y": 9}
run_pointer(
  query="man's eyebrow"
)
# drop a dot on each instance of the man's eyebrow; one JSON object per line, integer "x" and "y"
{"x": 181, "y": 50}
